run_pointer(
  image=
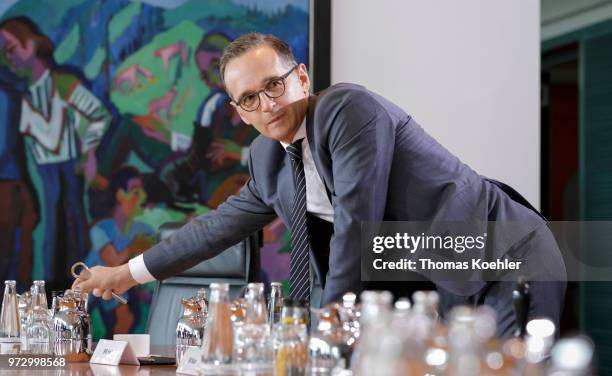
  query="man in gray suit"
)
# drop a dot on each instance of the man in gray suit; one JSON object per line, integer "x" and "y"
{"x": 324, "y": 164}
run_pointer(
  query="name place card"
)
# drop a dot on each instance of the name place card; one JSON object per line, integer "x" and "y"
{"x": 114, "y": 353}
{"x": 191, "y": 362}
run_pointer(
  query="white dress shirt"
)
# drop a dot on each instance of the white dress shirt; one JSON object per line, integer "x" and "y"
{"x": 317, "y": 201}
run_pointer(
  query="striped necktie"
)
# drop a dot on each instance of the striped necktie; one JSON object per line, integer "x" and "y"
{"x": 299, "y": 274}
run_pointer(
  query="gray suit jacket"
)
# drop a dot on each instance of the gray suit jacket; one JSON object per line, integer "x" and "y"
{"x": 376, "y": 163}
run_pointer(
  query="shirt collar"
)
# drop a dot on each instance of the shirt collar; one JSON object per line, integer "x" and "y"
{"x": 41, "y": 80}
{"x": 301, "y": 133}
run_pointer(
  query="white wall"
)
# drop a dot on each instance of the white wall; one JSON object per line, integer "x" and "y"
{"x": 468, "y": 72}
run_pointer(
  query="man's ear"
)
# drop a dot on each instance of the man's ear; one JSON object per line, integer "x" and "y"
{"x": 304, "y": 78}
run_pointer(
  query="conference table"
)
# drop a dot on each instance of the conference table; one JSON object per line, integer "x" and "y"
{"x": 84, "y": 368}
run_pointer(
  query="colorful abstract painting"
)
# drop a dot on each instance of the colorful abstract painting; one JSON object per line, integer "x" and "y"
{"x": 113, "y": 121}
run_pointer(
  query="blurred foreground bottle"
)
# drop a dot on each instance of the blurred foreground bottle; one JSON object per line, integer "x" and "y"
{"x": 301, "y": 312}
{"x": 378, "y": 348}
{"x": 25, "y": 306}
{"x": 275, "y": 303}
{"x": 327, "y": 346}
{"x": 39, "y": 332}
{"x": 218, "y": 336}
{"x": 349, "y": 316}
{"x": 253, "y": 349}
{"x": 539, "y": 341}
{"x": 291, "y": 341}
{"x": 572, "y": 357}
{"x": 10, "y": 330}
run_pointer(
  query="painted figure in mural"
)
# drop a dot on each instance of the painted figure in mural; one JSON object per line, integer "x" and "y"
{"x": 216, "y": 162}
{"x": 18, "y": 215}
{"x": 148, "y": 136}
{"x": 167, "y": 52}
{"x": 62, "y": 123}
{"x": 130, "y": 77}
{"x": 115, "y": 240}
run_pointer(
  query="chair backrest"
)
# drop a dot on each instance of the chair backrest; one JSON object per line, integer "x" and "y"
{"x": 237, "y": 266}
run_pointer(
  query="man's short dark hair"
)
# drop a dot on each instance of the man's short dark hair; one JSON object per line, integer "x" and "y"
{"x": 251, "y": 40}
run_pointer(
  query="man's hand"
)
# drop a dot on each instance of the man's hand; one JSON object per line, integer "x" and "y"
{"x": 101, "y": 281}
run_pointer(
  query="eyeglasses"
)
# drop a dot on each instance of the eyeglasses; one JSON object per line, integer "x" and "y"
{"x": 273, "y": 89}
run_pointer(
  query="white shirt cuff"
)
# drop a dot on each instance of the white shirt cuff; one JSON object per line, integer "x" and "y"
{"x": 139, "y": 270}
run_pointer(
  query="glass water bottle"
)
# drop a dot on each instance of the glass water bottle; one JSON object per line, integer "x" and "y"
{"x": 218, "y": 337}
{"x": 275, "y": 303}
{"x": 10, "y": 314}
{"x": 39, "y": 335}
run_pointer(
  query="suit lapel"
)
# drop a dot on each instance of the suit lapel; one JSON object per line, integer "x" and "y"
{"x": 318, "y": 155}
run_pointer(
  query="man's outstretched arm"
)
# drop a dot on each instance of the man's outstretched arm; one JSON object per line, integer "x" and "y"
{"x": 200, "y": 239}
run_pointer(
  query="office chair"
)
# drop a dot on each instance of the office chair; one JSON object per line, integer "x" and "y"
{"x": 237, "y": 266}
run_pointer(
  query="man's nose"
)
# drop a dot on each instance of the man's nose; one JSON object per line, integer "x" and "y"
{"x": 267, "y": 104}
